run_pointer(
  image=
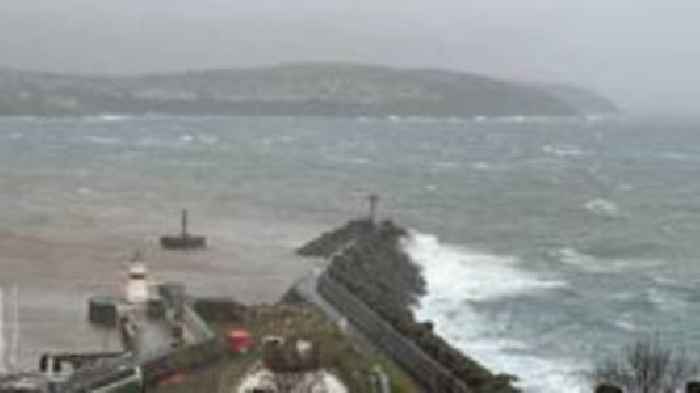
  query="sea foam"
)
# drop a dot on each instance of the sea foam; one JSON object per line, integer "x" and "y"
{"x": 456, "y": 278}
{"x": 469, "y": 274}
{"x": 603, "y": 208}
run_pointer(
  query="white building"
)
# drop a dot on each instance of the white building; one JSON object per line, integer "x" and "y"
{"x": 137, "y": 284}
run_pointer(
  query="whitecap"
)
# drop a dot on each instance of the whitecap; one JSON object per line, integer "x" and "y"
{"x": 350, "y": 160}
{"x": 103, "y": 140}
{"x": 481, "y": 166}
{"x": 445, "y": 165}
{"x": 85, "y": 191}
{"x": 278, "y": 140}
{"x": 454, "y": 274}
{"x": 107, "y": 118}
{"x": 603, "y": 208}
{"x": 589, "y": 263}
{"x": 480, "y": 276}
{"x": 563, "y": 151}
{"x": 113, "y": 117}
{"x": 626, "y": 325}
{"x": 186, "y": 138}
{"x": 676, "y": 156}
{"x": 665, "y": 300}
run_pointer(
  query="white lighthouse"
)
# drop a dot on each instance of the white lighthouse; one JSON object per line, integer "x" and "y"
{"x": 137, "y": 284}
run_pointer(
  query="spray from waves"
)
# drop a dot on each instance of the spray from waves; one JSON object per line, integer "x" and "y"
{"x": 484, "y": 276}
{"x": 456, "y": 279}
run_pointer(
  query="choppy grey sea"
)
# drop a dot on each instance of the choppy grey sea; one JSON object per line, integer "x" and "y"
{"x": 546, "y": 243}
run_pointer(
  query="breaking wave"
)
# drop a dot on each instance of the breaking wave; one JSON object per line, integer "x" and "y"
{"x": 589, "y": 263}
{"x": 603, "y": 208}
{"x": 107, "y": 118}
{"x": 484, "y": 276}
{"x": 457, "y": 279}
{"x": 563, "y": 151}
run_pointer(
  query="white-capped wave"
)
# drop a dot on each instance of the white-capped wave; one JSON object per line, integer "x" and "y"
{"x": 445, "y": 165}
{"x": 481, "y": 166}
{"x": 563, "y": 151}
{"x": 349, "y": 160}
{"x": 664, "y": 300}
{"x": 455, "y": 274}
{"x": 589, "y": 263}
{"x": 625, "y": 324}
{"x": 107, "y": 117}
{"x": 85, "y": 191}
{"x": 603, "y": 208}
{"x": 469, "y": 274}
{"x": 103, "y": 140}
{"x": 277, "y": 140}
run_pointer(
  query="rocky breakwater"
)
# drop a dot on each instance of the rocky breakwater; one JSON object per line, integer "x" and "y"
{"x": 367, "y": 260}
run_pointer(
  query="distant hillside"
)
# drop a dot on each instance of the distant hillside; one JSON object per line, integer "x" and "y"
{"x": 293, "y": 89}
{"x": 583, "y": 100}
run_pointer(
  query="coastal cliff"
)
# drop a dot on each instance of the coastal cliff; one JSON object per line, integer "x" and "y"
{"x": 312, "y": 89}
{"x": 366, "y": 259}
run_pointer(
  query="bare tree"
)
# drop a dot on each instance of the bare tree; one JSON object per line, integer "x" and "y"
{"x": 647, "y": 366}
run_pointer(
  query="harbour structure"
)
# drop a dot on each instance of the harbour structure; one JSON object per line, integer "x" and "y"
{"x": 373, "y": 203}
{"x": 137, "y": 288}
{"x": 9, "y": 330}
{"x": 184, "y": 240}
{"x": 161, "y": 336}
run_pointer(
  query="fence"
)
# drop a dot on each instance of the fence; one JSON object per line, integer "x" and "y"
{"x": 407, "y": 354}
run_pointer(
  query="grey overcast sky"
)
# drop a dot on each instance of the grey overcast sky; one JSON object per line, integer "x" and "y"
{"x": 644, "y": 54}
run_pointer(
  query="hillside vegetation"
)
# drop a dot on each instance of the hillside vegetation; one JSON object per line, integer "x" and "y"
{"x": 321, "y": 89}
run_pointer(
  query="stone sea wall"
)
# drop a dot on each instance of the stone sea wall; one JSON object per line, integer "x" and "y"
{"x": 369, "y": 271}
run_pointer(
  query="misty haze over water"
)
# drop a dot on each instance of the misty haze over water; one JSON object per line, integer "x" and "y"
{"x": 545, "y": 244}
{"x": 552, "y": 240}
{"x": 640, "y": 53}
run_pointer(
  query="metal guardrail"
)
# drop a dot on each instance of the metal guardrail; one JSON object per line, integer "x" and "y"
{"x": 431, "y": 374}
{"x": 196, "y": 325}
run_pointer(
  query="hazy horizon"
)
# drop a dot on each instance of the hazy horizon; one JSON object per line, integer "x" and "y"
{"x": 639, "y": 54}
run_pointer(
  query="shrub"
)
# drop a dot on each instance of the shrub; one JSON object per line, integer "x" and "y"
{"x": 647, "y": 366}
